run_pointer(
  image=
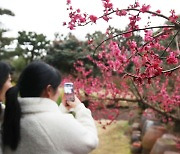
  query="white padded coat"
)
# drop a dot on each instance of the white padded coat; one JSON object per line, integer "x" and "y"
{"x": 48, "y": 129}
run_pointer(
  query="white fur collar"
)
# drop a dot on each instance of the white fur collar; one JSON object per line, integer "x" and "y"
{"x": 37, "y": 104}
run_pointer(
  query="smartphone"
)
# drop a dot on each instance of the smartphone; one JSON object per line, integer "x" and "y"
{"x": 69, "y": 91}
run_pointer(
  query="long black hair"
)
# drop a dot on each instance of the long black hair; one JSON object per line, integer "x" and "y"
{"x": 33, "y": 80}
{"x": 5, "y": 71}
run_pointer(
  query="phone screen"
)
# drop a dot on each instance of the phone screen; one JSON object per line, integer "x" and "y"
{"x": 69, "y": 91}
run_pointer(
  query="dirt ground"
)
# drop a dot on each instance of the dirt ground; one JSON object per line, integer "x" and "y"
{"x": 113, "y": 139}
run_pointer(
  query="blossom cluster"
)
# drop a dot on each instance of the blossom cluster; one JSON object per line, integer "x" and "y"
{"x": 152, "y": 64}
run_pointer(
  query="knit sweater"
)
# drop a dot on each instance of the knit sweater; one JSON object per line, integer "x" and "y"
{"x": 48, "y": 129}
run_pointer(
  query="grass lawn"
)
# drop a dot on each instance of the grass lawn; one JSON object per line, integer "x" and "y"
{"x": 113, "y": 139}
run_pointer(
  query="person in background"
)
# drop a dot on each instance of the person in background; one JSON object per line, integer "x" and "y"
{"x": 35, "y": 124}
{"x": 5, "y": 84}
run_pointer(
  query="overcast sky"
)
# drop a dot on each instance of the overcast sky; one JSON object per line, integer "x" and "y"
{"x": 47, "y": 16}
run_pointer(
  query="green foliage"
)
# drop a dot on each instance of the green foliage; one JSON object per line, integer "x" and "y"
{"x": 6, "y": 12}
{"x": 32, "y": 46}
{"x": 64, "y": 52}
{"x": 59, "y": 100}
{"x": 18, "y": 64}
{"x": 5, "y": 41}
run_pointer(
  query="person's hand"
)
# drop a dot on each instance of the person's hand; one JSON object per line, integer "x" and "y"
{"x": 70, "y": 104}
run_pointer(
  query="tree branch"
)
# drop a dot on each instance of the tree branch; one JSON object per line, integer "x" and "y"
{"x": 116, "y": 99}
{"x": 170, "y": 43}
{"x": 172, "y": 69}
{"x": 154, "y": 37}
{"x": 165, "y": 71}
{"x": 177, "y": 24}
{"x": 175, "y": 118}
{"x": 140, "y": 29}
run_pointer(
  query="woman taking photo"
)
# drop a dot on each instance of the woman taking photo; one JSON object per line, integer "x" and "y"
{"x": 5, "y": 84}
{"x": 33, "y": 122}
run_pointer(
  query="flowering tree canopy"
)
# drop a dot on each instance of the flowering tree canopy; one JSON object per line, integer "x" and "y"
{"x": 146, "y": 72}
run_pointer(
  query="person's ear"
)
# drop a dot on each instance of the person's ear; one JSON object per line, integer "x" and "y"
{"x": 49, "y": 91}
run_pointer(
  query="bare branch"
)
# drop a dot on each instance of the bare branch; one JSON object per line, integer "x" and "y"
{"x": 172, "y": 69}
{"x": 170, "y": 43}
{"x": 116, "y": 99}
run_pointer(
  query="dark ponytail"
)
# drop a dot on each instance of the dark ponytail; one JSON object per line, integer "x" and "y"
{"x": 12, "y": 115}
